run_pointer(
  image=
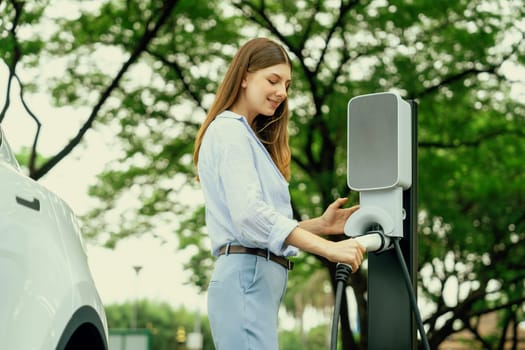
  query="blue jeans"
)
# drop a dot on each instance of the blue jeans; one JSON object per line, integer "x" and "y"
{"x": 244, "y": 295}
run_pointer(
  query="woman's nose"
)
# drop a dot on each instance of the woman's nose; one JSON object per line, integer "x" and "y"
{"x": 282, "y": 91}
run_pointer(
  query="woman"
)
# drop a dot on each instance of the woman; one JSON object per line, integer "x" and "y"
{"x": 243, "y": 161}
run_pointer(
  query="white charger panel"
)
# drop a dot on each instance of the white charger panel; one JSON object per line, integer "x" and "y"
{"x": 379, "y": 142}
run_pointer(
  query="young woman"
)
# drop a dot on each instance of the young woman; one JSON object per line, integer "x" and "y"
{"x": 243, "y": 161}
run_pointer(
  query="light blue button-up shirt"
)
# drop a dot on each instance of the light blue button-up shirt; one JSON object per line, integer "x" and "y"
{"x": 246, "y": 197}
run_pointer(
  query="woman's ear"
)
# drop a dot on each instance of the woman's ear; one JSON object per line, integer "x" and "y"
{"x": 244, "y": 82}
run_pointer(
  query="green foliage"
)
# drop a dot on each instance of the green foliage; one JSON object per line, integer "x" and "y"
{"x": 25, "y": 16}
{"x": 160, "y": 319}
{"x": 316, "y": 338}
{"x": 23, "y": 157}
{"x": 453, "y": 57}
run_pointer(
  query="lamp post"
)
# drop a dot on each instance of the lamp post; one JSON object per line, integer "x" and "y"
{"x": 137, "y": 269}
{"x": 194, "y": 339}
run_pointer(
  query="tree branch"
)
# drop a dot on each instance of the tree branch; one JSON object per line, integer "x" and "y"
{"x": 504, "y": 329}
{"x": 17, "y": 54}
{"x": 504, "y": 306}
{"x": 33, "y": 155}
{"x": 305, "y": 166}
{"x": 264, "y": 21}
{"x": 343, "y": 10}
{"x": 453, "y": 79}
{"x": 475, "y": 332}
{"x": 491, "y": 69}
{"x": 472, "y": 143}
{"x": 309, "y": 24}
{"x": 148, "y": 36}
{"x": 437, "y": 336}
{"x": 179, "y": 71}
{"x": 7, "y": 94}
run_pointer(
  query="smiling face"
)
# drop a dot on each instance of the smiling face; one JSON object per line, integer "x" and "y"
{"x": 263, "y": 91}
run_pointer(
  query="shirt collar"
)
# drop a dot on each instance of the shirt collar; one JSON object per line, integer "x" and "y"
{"x": 232, "y": 115}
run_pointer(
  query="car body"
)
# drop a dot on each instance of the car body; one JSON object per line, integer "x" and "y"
{"x": 48, "y": 298}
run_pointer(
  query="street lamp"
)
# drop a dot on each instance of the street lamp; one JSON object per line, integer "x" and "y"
{"x": 194, "y": 339}
{"x": 137, "y": 269}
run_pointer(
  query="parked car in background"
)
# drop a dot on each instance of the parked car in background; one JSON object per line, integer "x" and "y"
{"x": 48, "y": 298}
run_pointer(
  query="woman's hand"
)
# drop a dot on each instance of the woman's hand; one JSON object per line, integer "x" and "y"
{"x": 334, "y": 218}
{"x": 348, "y": 251}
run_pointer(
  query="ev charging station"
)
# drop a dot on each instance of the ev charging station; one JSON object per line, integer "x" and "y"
{"x": 382, "y": 167}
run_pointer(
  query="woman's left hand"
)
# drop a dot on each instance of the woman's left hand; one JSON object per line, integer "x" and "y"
{"x": 334, "y": 217}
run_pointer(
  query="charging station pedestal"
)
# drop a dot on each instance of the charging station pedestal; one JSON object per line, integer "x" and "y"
{"x": 391, "y": 324}
{"x": 382, "y": 166}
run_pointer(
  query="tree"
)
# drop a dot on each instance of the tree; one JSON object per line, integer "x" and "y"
{"x": 453, "y": 57}
{"x": 160, "y": 319}
{"x": 312, "y": 292}
{"x": 315, "y": 339}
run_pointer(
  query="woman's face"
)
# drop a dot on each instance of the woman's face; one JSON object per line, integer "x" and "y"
{"x": 263, "y": 91}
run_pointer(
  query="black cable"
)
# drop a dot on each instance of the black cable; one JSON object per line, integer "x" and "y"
{"x": 342, "y": 271}
{"x": 337, "y": 310}
{"x": 411, "y": 295}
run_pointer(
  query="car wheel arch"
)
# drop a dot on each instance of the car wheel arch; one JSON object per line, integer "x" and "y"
{"x": 84, "y": 330}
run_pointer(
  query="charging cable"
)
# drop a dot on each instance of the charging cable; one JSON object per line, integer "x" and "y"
{"x": 374, "y": 241}
{"x": 411, "y": 294}
{"x": 342, "y": 271}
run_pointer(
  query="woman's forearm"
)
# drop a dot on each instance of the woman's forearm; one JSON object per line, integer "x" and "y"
{"x": 347, "y": 251}
{"x": 306, "y": 240}
{"x": 315, "y": 225}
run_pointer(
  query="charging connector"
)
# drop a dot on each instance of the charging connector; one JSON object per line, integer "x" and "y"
{"x": 374, "y": 241}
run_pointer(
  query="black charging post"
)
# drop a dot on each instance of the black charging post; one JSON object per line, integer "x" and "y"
{"x": 391, "y": 325}
{"x": 382, "y": 167}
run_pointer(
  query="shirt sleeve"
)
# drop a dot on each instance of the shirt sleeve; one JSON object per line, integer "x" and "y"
{"x": 258, "y": 223}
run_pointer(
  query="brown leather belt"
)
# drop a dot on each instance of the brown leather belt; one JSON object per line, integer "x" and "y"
{"x": 237, "y": 249}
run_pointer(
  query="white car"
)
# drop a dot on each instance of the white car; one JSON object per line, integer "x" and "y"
{"x": 48, "y": 299}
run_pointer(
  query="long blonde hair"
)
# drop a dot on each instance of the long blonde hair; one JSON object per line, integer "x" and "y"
{"x": 272, "y": 131}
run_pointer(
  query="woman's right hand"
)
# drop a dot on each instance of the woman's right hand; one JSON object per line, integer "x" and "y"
{"x": 348, "y": 251}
